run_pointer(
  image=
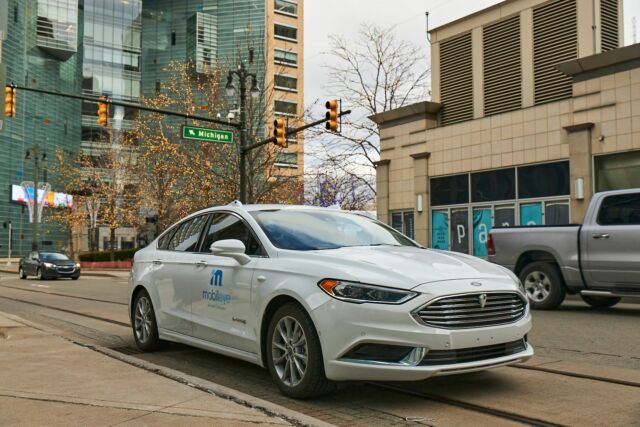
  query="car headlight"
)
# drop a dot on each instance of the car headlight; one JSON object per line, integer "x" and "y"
{"x": 359, "y": 293}
{"x": 49, "y": 265}
{"x": 515, "y": 279}
{"x": 77, "y": 265}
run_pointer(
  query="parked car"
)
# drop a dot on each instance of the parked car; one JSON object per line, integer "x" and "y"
{"x": 320, "y": 295}
{"x": 48, "y": 265}
{"x": 598, "y": 260}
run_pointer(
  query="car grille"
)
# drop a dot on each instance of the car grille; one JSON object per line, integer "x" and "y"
{"x": 469, "y": 311}
{"x": 464, "y": 355}
{"x": 65, "y": 269}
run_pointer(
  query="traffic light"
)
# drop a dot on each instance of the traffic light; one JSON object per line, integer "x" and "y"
{"x": 279, "y": 132}
{"x": 9, "y": 101}
{"x": 103, "y": 111}
{"x": 332, "y": 115}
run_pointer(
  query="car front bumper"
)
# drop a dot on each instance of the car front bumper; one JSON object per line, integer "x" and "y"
{"x": 55, "y": 273}
{"x": 344, "y": 327}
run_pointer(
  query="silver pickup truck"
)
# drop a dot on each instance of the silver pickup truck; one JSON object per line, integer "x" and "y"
{"x": 599, "y": 259}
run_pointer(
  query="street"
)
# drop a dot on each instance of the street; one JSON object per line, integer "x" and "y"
{"x": 583, "y": 358}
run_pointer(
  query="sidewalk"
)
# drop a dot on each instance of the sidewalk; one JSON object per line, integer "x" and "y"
{"x": 47, "y": 380}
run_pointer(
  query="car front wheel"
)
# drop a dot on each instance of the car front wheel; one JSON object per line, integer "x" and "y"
{"x": 39, "y": 274}
{"x": 21, "y": 273}
{"x": 600, "y": 302}
{"x": 145, "y": 329}
{"x": 294, "y": 355}
{"x": 543, "y": 284}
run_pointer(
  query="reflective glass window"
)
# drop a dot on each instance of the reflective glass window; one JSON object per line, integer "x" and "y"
{"x": 286, "y": 31}
{"x": 286, "y": 6}
{"x": 227, "y": 226}
{"x": 493, "y": 185}
{"x": 545, "y": 180}
{"x": 450, "y": 190}
{"x": 186, "y": 236}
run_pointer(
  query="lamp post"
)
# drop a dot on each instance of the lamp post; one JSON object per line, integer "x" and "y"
{"x": 32, "y": 154}
{"x": 243, "y": 75}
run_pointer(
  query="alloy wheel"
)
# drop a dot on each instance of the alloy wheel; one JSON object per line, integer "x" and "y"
{"x": 143, "y": 322}
{"x": 289, "y": 351}
{"x": 538, "y": 286}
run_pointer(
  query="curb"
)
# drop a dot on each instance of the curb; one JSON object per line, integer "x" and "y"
{"x": 266, "y": 407}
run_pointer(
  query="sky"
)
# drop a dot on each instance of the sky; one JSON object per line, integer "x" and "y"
{"x": 343, "y": 17}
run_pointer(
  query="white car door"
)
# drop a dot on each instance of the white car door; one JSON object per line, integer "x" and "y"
{"x": 173, "y": 262}
{"x": 221, "y": 289}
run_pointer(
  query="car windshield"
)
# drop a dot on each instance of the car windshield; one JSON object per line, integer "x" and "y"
{"x": 53, "y": 256}
{"x": 308, "y": 230}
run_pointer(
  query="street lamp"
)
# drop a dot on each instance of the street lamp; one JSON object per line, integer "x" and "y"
{"x": 32, "y": 154}
{"x": 230, "y": 90}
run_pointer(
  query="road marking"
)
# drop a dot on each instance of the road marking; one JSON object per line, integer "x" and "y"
{"x": 39, "y": 285}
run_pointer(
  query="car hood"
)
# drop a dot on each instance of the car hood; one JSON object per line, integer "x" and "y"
{"x": 401, "y": 266}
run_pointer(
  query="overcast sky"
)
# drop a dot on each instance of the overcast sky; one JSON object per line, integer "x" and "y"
{"x": 325, "y": 17}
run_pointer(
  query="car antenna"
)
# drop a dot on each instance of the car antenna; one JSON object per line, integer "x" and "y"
{"x": 235, "y": 203}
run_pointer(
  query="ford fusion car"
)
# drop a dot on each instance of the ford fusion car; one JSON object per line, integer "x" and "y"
{"x": 320, "y": 295}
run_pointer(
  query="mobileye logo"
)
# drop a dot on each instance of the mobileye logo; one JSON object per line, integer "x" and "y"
{"x": 216, "y": 278}
{"x": 215, "y": 295}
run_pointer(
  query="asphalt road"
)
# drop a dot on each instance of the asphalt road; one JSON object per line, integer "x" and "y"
{"x": 93, "y": 310}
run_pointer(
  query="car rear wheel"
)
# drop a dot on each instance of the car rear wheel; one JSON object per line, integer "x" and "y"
{"x": 600, "y": 302}
{"x": 21, "y": 273}
{"x": 145, "y": 329}
{"x": 543, "y": 284}
{"x": 294, "y": 355}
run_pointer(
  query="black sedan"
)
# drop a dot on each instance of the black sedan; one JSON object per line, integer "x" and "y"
{"x": 48, "y": 265}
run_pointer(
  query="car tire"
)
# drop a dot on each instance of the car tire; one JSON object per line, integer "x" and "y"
{"x": 143, "y": 323}
{"x": 21, "y": 273}
{"x": 600, "y": 302}
{"x": 75, "y": 277}
{"x": 39, "y": 275}
{"x": 289, "y": 326}
{"x": 543, "y": 285}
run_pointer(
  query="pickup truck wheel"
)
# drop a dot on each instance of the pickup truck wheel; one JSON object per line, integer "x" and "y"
{"x": 543, "y": 284}
{"x": 600, "y": 302}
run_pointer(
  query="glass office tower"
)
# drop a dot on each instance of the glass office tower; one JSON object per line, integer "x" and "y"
{"x": 40, "y": 51}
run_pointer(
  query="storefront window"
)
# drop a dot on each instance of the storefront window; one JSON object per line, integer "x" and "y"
{"x": 440, "y": 230}
{"x": 481, "y": 227}
{"x": 531, "y": 214}
{"x": 617, "y": 171}
{"x": 544, "y": 180}
{"x": 460, "y": 230}
{"x": 493, "y": 185}
{"x": 403, "y": 222}
{"x": 450, "y": 190}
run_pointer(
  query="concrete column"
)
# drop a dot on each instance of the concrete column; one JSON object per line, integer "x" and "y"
{"x": 435, "y": 71}
{"x": 421, "y": 188}
{"x": 478, "y": 72}
{"x": 580, "y": 166}
{"x": 382, "y": 189}
{"x": 526, "y": 52}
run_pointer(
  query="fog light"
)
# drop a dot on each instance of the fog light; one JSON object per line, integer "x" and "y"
{"x": 415, "y": 356}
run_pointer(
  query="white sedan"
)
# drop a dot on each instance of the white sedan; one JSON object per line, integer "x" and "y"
{"x": 320, "y": 295}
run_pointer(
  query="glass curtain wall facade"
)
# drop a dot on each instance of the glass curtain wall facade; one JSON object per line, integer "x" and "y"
{"x": 206, "y": 32}
{"x": 41, "y": 51}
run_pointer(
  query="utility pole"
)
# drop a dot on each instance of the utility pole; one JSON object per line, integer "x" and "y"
{"x": 243, "y": 75}
{"x": 33, "y": 154}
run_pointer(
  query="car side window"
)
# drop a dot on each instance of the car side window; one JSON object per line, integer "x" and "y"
{"x": 622, "y": 209}
{"x": 187, "y": 234}
{"x": 164, "y": 240}
{"x": 226, "y": 226}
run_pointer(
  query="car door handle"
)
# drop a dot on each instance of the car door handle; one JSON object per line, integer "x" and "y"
{"x": 600, "y": 236}
{"x": 201, "y": 264}
{"x": 261, "y": 278}
{"x": 157, "y": 262}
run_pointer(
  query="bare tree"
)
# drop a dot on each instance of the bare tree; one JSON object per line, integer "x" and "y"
{"x": 374, "y": 73}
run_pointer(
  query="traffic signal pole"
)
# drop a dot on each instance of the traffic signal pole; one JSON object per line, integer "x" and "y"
{"x": 293, "y": 131}
{"x": 240, "y": 126}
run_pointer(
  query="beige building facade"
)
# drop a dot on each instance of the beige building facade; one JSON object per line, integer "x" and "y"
{"x": 285, "y": 74}
{"x": 534, "y": 108}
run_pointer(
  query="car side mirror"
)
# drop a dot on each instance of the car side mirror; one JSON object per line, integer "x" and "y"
{"x": 230, "y": 248}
